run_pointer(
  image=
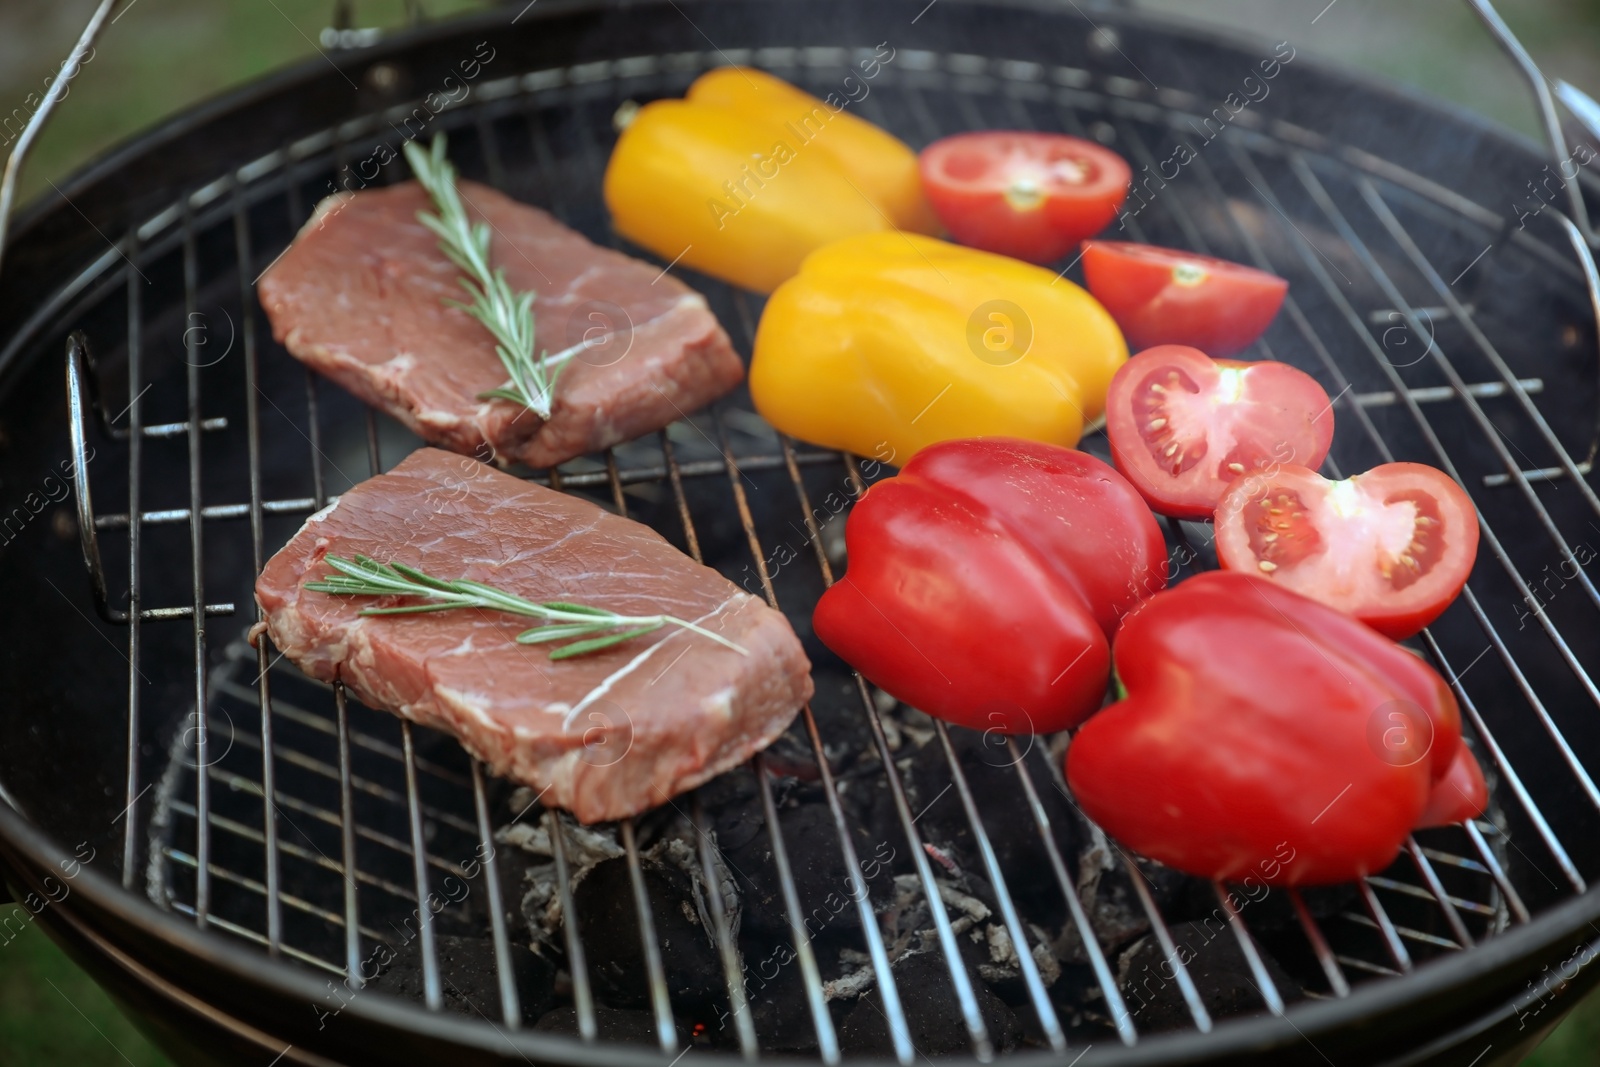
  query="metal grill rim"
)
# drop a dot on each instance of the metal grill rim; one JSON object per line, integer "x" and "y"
{"x": 788, "y": 457}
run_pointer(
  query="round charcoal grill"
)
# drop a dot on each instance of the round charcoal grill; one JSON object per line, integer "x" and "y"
{"x": 233, "y": 876}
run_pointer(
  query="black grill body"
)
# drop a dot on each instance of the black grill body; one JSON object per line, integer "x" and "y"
{"x": 1428, "y": 292}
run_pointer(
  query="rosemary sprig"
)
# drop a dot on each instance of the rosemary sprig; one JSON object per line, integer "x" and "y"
{"x": 504, "y": 312}
{"x": 598, "y": 628}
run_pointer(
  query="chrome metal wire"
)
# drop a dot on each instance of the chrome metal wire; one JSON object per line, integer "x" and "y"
{"x": 370, "y": 839}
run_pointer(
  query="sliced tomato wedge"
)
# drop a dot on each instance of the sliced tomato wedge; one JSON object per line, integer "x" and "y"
{"x": 1393, "y": 546}
{"x": 1033, "y": 196}
{"x": 1164, "y": 296}
{"x": 1184, "y": 427}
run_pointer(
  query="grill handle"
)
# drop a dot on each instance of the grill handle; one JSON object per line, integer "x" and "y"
{"x": 1548, "y": 115}
{"x": 58, "y": 89}
{"x": 82, "y": 391}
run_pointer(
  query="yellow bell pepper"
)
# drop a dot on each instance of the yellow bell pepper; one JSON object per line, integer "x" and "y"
{"x": 885, "y": 343}
{"x": 747, "y": 175}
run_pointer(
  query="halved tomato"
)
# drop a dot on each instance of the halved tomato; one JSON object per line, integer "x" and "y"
{"x": 1184, "y": 427}
{"x": 1029, "y": 195}
{"x": 1393, "y": 546}
{"x": 1164, "y": 296}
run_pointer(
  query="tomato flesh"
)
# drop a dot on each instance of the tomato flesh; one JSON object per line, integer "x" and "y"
{"x": 1164, "y": 296}
{"x": 1184, "y": 427}
{"x": 1029, "y": 195}
{"x": 1393, "y": 546}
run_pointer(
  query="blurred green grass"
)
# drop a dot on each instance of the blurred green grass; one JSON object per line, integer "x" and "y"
{"x": 53, "y": 1015}
{"x": 163, "y": 55}
{"x": 159, "y": 56}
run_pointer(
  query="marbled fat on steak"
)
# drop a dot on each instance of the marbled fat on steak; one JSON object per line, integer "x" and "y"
{"x": 608, "y": 734}
{"x": 361, "y": 293}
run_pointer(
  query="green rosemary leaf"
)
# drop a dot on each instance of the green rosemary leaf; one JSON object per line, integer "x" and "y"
{"x": 358, "y": 568}
{"x": 365, "y": 576}
{"x": 420, "y": 578}
{"x": 580, "y": 648}
{"x": 575, "y": 609}
{"x": 336, "y": 588}
{"x": 411, "y": 609}
{"x": 504, "y": 312}
{"x": 538, "y": 635}
{"x": 489, "y": 592}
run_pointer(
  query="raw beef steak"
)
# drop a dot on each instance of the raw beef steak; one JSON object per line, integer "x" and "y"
{"x": 361, "y": 293}
{"x": 605, "y": 735}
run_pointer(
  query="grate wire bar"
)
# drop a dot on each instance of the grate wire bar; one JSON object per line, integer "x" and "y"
{"x": 1247, "y": 151}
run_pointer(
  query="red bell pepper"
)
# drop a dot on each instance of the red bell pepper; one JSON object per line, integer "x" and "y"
{"x": 1258, "y": 724}
{"x": 986, "y": 579}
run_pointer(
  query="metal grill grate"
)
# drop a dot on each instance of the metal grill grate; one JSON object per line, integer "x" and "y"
{"x": 305, "y": 830}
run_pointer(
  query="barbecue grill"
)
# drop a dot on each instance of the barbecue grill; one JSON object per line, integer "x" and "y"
{"x": 228, "y": 846}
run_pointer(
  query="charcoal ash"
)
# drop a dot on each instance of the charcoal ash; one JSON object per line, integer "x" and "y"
{"x": 1106, "y": 890}
{"x": 895, "y": 890}
{"x": 469, "y": 976}
{"x": 791, "y": 755}
{"x": 1211, "y": 954}
{"x": 1080, "y": 1006}
{"x": 775, "y": 989}
{"x": 1266, "y": 908}
{"x": 874, "y": 825}
{"x": 774, "y": 981}
{"x": 682, "y": 852}
{"x": 1003, "y": 969}
{"x": 836, "y": 705}
{"x": 780, "y": 1012}
{"x": 602, "y": 892}
{"x": 530, "y": 864}
{"x": 611, "y": 1024}
{"x": 585, "y": 845}
{"x": 933, "y": 1014}
{"x": 733, "y": 804}
{"x": 856, "y": 976}
{"x": 991, "y": 773}
{"x": 907, "y": 918}
{"x": 846, "y": 733}
{"x": 1103, "y": 883}
{"x": 984, "y": 940}
{"x": 905, "y": 728}
{"x": 825, "y": 887}
{"x": 609, "y": 922}
{"x": 906, "y": 924}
